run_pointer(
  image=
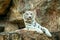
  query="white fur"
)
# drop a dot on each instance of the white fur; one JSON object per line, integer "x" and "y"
{"x": 32, "y": 25}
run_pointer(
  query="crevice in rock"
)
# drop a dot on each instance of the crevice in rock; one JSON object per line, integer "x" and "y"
{"x": 4, "y": 16}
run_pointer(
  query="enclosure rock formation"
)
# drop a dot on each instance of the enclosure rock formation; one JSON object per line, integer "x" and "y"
{"x": 48, "y": 15}
{"x": 28, "y": 35}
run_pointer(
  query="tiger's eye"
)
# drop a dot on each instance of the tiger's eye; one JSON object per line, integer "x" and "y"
{"x": 26, "y": 13}
{"x": 31, "y": 13}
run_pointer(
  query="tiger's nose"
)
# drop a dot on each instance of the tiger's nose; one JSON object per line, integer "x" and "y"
{"x": 29, "y": 17}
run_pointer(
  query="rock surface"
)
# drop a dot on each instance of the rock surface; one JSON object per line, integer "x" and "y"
{"x": 31, "y": 35}
{"x": 28, "y": 35}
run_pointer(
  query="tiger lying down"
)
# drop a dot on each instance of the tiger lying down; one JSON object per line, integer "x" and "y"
{"x": 32, "y": 25}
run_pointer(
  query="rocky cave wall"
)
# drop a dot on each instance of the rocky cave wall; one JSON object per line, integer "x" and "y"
{"x": 47, "y": 11}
